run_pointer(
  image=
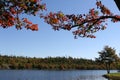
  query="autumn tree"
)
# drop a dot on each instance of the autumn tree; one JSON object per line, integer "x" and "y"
{"x": 82, "y": 25}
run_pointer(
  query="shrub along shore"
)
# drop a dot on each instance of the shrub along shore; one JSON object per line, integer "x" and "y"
{"x": 113, "y": 76}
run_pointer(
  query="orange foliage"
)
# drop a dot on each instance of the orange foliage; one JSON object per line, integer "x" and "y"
{"x": 26, "y": 21}
{"x": 33, "y": 27}
{"x": 54, "y": 20}
{"x": 84, "y": 24}
{"x": 12, "y": 10}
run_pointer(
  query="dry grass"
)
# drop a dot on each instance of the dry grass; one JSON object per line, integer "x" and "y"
{"x": 113, "y": 76}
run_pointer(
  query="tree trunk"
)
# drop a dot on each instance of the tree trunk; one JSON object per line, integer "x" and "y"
{"x": 108, "y": 68}
{"x": 117, "y": 3}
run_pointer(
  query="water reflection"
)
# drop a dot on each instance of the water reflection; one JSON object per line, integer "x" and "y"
{"x": 52, "y": 75}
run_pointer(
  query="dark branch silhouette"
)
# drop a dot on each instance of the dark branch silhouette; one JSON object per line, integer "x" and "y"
{"x": 117, "y": 3}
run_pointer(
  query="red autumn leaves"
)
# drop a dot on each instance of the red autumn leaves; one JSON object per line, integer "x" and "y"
{"x": 10, "y": 10}
{"x": 83, "y": 25}
{"x": 6, "y": 23}
{"x": 29, "y": 25}
{"x": 57, "y": 20}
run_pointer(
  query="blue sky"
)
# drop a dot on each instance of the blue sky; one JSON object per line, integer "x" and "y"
{"x": 47, "y": 42}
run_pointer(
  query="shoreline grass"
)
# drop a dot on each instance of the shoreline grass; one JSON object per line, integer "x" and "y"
{"x": 113, "y": 76}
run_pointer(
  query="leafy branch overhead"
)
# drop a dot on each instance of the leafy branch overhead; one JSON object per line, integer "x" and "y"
{"x": 10, "y": 10}
{"x": 82, "y": 25}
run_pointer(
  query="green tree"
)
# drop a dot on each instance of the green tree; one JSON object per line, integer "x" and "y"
{"x": 83, "y": 25}
{"x": 107, "y": 56}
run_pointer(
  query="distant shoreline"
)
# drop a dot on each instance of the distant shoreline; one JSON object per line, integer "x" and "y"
{"x": 49, "y": 63}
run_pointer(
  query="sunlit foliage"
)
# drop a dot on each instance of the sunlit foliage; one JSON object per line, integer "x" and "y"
{"x": 10, "y": 10}
{"x": 82, "y": 25}
{"x": 85, "y": 24}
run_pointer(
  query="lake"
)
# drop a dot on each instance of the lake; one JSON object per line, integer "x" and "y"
{"x": 52, "y": 74}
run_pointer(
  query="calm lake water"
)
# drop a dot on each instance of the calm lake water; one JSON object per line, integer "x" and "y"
{"x": 52, "y": 75}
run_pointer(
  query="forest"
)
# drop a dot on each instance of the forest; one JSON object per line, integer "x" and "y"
{"x": 51, "y": 63}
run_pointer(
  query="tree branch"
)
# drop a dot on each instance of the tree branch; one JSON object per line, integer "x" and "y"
{"x": 97, "y": 19}
{"x": 117, "y": 3}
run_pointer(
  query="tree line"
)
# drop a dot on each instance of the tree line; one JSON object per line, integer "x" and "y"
{"x": 51, "y": 63}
